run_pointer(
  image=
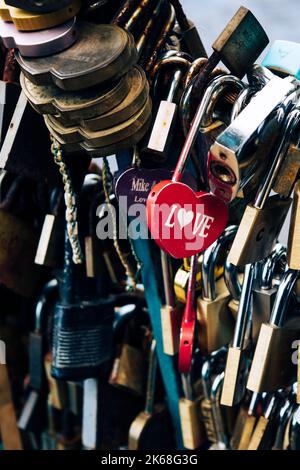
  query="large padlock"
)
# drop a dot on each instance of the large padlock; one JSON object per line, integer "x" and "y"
{"x": 272, "y": 367}
{"x": 82, "y": 325}
{"x": 227, "y": 153}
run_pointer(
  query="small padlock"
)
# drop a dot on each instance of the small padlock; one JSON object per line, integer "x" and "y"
{"x": 158, "y": 146}
{"x": 272, "y": 367}
{"x": 190, "y": 416}
{"x": 216, "y": 324}
{"x": 236, "y": 364}
{"x": 128, "y": 370}
{"x": 264, "y": 293}
{"x": 265, "y": 429}
{"x": 245, "y": 423}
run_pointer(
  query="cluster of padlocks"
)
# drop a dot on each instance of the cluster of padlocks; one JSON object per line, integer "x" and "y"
{"x": 149, "y": 300}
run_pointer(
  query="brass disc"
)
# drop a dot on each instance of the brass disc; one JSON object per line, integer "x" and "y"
{"x": 104, "y": 137}
{"x": 102, "y": 52}
{"x": 75, "y": 106}
{"x": 26, "y": 21}
{"x": 137, "y": 95}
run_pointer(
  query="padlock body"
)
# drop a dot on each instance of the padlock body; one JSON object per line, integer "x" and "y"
{"x": 258, "y": 231}
{"x": 272, "y": 365}
{"x": 129, "y": 370}
{"x": 241, "y": 42}
{"x": 192, "y": 429}
{"x": 82, "y": 339}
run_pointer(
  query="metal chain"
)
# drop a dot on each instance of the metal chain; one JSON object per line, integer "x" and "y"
{"x": 70, "y": 201}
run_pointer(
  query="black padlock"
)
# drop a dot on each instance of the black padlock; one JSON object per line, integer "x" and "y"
{"x": 82, "y": 324}
{"x": 38, "y": 338}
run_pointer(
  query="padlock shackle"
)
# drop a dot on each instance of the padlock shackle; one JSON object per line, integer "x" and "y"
{"x": 207, "y": 370}
{"x": 218, "y": 420}
{"x": 217, "y": 86}
{"x": 210, "y": 258}
{"x": 291, "y": 120}
{"x": 41, "y": 307}
{"x": 151, "y": 379}
{"x": 244, "y": 310}
{"x": 187, "y": 386}
{"x": 268, "y": 268}
{"x": 168, "y": 285}
{"x": 259, "y": 76}
{"x": 232, "y": 280}
{"x": 283, "y": 296}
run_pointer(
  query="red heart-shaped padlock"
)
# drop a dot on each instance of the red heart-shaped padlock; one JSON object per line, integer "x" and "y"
{"x": 182, "y": 222}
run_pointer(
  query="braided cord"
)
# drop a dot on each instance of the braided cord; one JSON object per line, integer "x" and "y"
{"x": 70, "y": 201}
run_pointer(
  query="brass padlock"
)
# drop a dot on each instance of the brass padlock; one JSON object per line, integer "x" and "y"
{"x": 264, "y": 431}
{"x": 272, "y": 367}
{"x": 171, "y": 313}
{"x": 192, "y": 429}
{"x": 236, "y": 364}
{"x": 245, "y": 423}
{"x": 264, "y": 293}
{"x": 216, "y": 324}
{"x": 293, "y": 253}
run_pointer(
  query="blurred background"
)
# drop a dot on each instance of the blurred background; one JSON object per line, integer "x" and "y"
{"x": 279, "y": 18}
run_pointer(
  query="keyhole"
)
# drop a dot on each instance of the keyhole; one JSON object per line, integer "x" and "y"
{"x": 260, "y": 235}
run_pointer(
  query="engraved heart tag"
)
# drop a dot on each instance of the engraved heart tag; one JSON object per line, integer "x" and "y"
{"x": 182, "y": 222}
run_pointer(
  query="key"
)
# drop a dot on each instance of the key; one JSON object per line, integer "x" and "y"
{"x": 190, "y": 36}
{"x": 215, "y": 322}
{"x": 258, "y": 221}
{"x": 227, "y": 152}
{"x": 283, "y": 58}
{"x": 26, "y": 21}
{"x": 37, "y": 6}
{"x": 236, "y": 364}
{"x": 272, "y": 367}
{"x": 293, "y": 243}
{"x": 105, "y": 40}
